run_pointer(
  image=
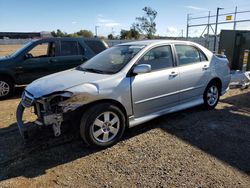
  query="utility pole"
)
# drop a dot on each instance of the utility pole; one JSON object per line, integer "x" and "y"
{"x": 96, "y": 27}
{"x": 208, "y": 27}
{"x": 208, "y": 23}
{"x": 187, "y": 25}
{"x": 235, "y": 14}
{"x": 216, "y": 24}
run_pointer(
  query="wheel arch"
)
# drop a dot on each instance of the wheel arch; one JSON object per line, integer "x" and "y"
{"x": 110, "y": 101}
{"x": 218, "y": 81}
{"x": 9, "y": 76}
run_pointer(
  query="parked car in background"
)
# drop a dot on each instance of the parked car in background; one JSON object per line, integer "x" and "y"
{"x": 127, "y": 85}
{"x": 42, "y": 57}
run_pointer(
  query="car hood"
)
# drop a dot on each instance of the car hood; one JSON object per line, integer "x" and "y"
{"x": 62, "y": 81}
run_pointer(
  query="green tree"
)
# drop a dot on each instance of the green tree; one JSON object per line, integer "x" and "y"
{"x": 129, "y": 34}
{"x": 81, "y": 33}
{"x": 146, "y": 24}
{"x": 73, "y": 35}
{"x": 134, "y": 34}
{"x": 111, "y": 36}
{"x": 53, "y": 33}
{"x": 59, "y": 33}
{"x": 85, "y": 33}
{"x": 125, "y": 34}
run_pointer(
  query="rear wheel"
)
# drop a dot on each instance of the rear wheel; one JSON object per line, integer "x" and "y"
{"x": 211, "y": 95}
{"x": 102, "y": 125}
{"x": 6, "y": 87}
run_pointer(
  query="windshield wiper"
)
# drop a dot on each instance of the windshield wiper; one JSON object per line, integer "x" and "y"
{"x": 93, "y": 70}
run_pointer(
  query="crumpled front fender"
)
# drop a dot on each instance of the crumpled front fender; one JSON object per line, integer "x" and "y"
{"x": 82, "y": 94}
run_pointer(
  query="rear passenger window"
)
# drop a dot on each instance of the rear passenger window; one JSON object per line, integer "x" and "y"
{"x": 69, "y": 48}
{"x": 158, "y": 58}
{"x": 189, "y": 54}
{"x": 95, "y": 45}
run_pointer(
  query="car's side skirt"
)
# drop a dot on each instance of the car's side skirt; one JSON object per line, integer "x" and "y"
{"x": 136, "y": 121}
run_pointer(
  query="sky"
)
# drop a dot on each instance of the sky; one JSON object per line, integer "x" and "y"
{"x": 110, "y": 15}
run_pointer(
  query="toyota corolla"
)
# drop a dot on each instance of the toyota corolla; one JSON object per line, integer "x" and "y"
{"x": 127, "y": 85}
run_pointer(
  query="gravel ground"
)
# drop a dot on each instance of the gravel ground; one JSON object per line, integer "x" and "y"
{"x": 191, "y": 148}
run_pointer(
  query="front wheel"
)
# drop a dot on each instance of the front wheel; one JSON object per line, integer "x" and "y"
{"x": 211, "y": 96}
{"x": 102, "y": 125}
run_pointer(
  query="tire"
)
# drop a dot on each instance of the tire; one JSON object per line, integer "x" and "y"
{"x": 6, "y": 87}
{"x": 102, "y": 125}
{"x": 211, "y": 95}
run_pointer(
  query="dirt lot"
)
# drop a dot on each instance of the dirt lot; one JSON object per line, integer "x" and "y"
{"x": 192, "y": 148}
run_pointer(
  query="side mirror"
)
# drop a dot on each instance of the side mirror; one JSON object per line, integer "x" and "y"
{"x": 142, "y": 68}
{"x": 84, "y": 58}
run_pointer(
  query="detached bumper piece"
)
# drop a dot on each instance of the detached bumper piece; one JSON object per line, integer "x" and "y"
{"x": 19, "y": 117}
{"x": 44, "y": 118}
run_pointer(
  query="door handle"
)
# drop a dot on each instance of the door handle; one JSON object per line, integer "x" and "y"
{"x": 19, "y": 69}
{"x": 205, "y": 67}
{"x": 173, "y": 74}
{"x": 83, "y": 59}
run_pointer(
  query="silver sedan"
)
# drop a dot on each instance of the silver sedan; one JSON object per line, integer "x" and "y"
{"x": 127, "y": 85}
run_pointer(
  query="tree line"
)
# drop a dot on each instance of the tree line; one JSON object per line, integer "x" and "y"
{"x": 144, "y": 25}
{"x": 81, "y": 33}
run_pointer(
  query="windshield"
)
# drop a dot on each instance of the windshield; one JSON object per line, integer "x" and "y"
{"x": 19, "y": 50}
{"x": 111, "y": 60}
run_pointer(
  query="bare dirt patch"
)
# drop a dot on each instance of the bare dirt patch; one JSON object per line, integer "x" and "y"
{"x": 8, "y": 49}
{"x": 191, "y": 148}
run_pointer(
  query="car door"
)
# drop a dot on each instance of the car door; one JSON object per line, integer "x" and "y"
{"x": 156, "y": 90}
{"x": 35, "y": 63}
{"x": 71, "y": 55}
{"x": 194, "y": 71}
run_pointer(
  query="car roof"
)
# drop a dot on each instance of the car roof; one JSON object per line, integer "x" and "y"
{"x": 155, "y": 42}
{"x": 151, "y": 43}
{"x": 66, "y": 38}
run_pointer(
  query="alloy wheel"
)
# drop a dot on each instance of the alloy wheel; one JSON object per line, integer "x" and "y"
{"x": 4, "y": 88}
{"x": 106, "y": 127}
{"x": 212, "y": 95}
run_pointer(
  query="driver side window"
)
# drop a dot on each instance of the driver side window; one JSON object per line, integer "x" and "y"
{"x": 43, "y": 50}
{"x": 159, "y": 58}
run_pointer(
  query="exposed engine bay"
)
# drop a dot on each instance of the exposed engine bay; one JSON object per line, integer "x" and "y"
{"x": 48, "y": 109}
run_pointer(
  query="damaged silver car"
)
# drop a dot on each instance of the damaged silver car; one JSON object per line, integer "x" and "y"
{"x": 127, "y": 85}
